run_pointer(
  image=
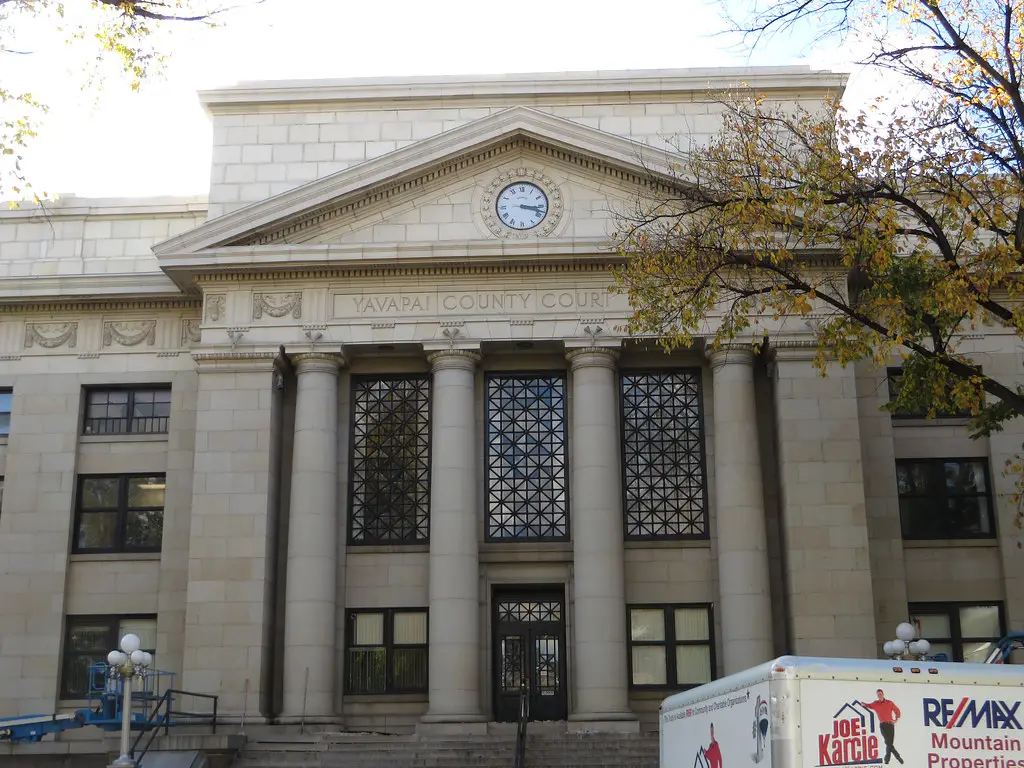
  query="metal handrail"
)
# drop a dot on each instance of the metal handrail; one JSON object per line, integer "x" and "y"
{"x": 167, "y": 702}
{"x": 524, "y": 715}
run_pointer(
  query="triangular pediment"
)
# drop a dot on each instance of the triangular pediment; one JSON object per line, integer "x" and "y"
{"x": 467, "y": 158}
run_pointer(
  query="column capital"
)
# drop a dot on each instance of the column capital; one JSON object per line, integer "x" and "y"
{"x": 731, "y": 354}
{"x": 321, "y": 362}
{"x": 457, "y": 359}
{"x": 587, "y": 357}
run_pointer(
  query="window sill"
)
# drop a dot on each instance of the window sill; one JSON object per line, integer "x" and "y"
{"x": 120, "y": 557}
{"x": 386, "y": 698}
{"x": 385, "y": 549}
{"x": 940, "y": 421}
{"x": 668, "y": 544}
{"x": 124, "y": 438}
{"x": 949, "y": 543}
{"x": 533, "y": 551}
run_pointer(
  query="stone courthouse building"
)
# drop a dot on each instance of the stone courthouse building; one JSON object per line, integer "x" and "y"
{"x": 360, "y": 438}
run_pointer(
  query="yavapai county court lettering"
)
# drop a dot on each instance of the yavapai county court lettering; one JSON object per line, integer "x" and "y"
{"x": 477, "y": 302}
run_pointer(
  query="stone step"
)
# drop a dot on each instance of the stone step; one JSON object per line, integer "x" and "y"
{"x": 544, "y": 749}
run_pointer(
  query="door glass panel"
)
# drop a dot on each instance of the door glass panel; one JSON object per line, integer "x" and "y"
{"x": 647, "y": 624}
{"x": 693, "y": 664}
{"x": 929, "y": 626}
{"x": 979, "y": 621}
{"x": 649, "y": 665}
{"x": 512, "y": 664}
{"x": 546, "y": 660}
{"x": 692, "y": 624}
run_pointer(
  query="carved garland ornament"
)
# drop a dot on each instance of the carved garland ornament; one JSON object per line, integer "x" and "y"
{"x": 51, "y": 335}
{"x": 502, "y": 180}
{"x": 276, "y": 305}
{"x": 214, "y": 307}
{"x": 129, "y": 334}
{"x": 190, "y": 332}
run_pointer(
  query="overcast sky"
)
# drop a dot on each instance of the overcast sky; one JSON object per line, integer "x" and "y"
{"x": 157, "y": 142}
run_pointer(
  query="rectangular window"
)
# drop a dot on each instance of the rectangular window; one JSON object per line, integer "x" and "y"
{"x": 893, "y": 376}
{"x": 390, "y": 460}
{"x": 6, "y": 401}
{"x": 663, "y": 469}
{"x": 127, "y": 411}
{"x": 387, "y": 651}
{"x": 670, "y": 646}
{"x": 962, "y": 631}
{"x": 88, "y": 641}
{"x": 945, "y": 499}
{"x": 527, "y": 487}
{"x": 119, "y": 513}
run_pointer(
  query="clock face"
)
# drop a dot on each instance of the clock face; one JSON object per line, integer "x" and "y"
{"x": 522, "y": 205}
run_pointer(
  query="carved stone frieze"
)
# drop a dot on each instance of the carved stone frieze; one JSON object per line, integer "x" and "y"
{"x": 51, "y": 335}
{"x": 190, "y": 332}
{"x": 214, "y": 307}
{"x": 129, "y": 333}
{"x": 277, "y": 305}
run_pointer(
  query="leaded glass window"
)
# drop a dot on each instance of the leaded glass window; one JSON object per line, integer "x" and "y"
{"x": 664, "y": 484}
{"x": 527, "y": 494}
{"x": 390, "y": 464}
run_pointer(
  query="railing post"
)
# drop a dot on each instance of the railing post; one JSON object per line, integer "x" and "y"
{"x": 215, "y": 700}
{"x": 167, "y": 720}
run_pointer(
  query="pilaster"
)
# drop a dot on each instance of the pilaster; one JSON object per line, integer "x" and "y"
{"x": 229, "y": 566}
{"x": 823, "y": 507}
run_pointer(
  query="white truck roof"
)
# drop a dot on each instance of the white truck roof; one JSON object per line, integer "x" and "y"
{"x": 864, "y": 670}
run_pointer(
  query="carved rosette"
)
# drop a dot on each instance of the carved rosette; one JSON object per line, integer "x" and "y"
{"x": 190, "y": 332}
{"x": 277, "y": 305}
{"x": 129, "y": 333}
{"x": 51, "y": 335}
{"x": 499, "y": 182}
{"x": 214, "y": 307}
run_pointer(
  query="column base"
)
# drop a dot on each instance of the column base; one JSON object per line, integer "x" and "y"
{"x": 603, "y": 722}
{"x": 452, "y": 725}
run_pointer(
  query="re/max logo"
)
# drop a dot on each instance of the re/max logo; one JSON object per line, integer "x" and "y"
{"x": 972, "y": 713}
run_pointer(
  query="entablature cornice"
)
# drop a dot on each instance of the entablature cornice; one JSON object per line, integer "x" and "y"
{"x": 111, "y": 305}
{"x": 385, "y": 271}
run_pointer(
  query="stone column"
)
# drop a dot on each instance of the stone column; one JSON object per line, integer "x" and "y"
{"x": 454, "y": 561}
{"x": 742, "y": 541}
{"x": 311, "y": 586}
{"x": 599, "y": 585}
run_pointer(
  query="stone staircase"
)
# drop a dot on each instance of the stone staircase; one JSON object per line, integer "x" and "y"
{"x": 543, "y": 750}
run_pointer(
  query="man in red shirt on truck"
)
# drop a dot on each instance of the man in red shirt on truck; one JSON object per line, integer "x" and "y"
{"x": 887, "y": 713}
{"x": 713, "y": 753}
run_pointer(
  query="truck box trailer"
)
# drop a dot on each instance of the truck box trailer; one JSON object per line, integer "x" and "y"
{"x": 803, "y": 712}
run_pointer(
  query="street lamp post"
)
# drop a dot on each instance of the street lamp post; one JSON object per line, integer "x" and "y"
{"x": 906, "y": 645}
{"x": 127, "y": 663}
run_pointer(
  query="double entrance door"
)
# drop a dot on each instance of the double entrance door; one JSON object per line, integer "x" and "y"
{"x": 529, "y": 643}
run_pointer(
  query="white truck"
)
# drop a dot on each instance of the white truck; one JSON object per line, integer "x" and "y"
{"x": 802, "y": 712}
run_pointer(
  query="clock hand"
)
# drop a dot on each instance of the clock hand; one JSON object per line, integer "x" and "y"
{"x": 531, "y": 208}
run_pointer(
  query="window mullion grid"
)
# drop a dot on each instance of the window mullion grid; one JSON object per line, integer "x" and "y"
{"x": 122, "y": 512}
{"x": 389, "y": 655}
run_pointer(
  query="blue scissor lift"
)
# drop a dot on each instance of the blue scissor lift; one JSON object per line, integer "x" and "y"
{"x": 152, "y": 707}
